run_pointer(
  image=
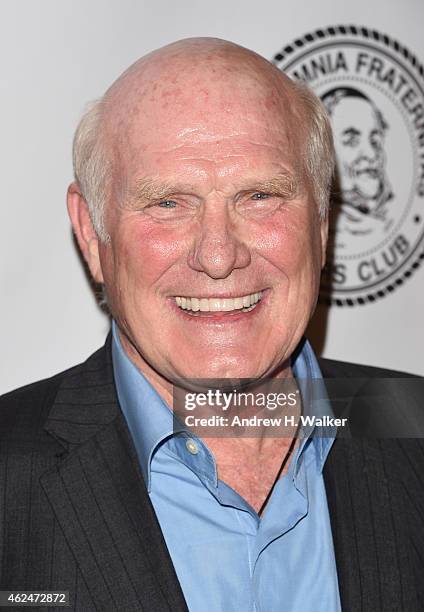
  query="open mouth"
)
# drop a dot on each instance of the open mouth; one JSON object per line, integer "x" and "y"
{"x": 196, "y": 306}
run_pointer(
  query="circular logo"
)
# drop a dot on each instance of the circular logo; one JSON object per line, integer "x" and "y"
{"x": 373, "y": 90}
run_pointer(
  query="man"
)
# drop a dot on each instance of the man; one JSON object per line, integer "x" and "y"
{"x": 359, "y": 132}
{"x": 200, "y": 204}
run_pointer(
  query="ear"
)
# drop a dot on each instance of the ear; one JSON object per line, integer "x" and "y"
{"x": 84, "y": 230}
{"x": 324, "y": 240}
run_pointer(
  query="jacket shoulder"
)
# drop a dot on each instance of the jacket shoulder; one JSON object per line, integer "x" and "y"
{"x": 38, "y": 390}
{"x": 23, "y": 411}
{"x": 30, "y": 400}
{"x": 333, "y": 368}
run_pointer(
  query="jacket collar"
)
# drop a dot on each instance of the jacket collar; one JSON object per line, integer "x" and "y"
{"x": 86, "y": 400}
{"x": 100, "y": 500}
{"x": 99, "y": 497}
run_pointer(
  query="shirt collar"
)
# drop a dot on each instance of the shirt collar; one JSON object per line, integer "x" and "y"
{"x": 315, "y": 402}
{"x": 150, "y": 420}
{"x": 148, "y": 416}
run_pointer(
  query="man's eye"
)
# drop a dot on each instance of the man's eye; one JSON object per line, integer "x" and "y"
{"x": 259, "y": 204}
{"x": 260, "y": 196}
{"x": 167, "y": 204}
{"x": 376, "y": 139}
{"x": 350, "y": 141}
{"x": 170, "y": 210}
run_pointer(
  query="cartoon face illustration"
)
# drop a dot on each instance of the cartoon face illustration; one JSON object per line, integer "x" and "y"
{"x": 359, "y": 133}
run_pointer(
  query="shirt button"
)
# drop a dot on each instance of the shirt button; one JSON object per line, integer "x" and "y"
{"x": 192, "y": 447}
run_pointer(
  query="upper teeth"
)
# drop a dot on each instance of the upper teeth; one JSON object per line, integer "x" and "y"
{"x": 218, "y": 304}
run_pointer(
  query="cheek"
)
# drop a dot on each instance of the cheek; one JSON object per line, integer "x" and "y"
{"x": 143, "y": 252}
{"x": 345, "y": 154}
{"x": 346, "y": 162}
{"x": 288, "y": 243}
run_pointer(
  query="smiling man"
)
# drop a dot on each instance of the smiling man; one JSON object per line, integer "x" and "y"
{"x": 200, "y": 202}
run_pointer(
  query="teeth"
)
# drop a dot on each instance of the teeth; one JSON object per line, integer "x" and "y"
{"x": 204, "y": 305}
{"x": 193, "y": 304}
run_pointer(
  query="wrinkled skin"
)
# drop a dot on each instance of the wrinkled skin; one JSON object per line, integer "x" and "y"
{"x": 208, "y": 199}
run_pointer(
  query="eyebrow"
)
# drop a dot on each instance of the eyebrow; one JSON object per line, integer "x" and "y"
{"x": 284, "y": 184}
{"x": 352, "y": 131}
{"x": 153, "y": 189}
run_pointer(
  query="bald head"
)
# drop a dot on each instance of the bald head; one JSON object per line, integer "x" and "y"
{"x": 206, "y": 87}
{"x": 196, "y": 65}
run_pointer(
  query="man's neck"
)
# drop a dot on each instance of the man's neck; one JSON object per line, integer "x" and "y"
{"x": 251, "y": 469}
{"x": 250, "y": 465}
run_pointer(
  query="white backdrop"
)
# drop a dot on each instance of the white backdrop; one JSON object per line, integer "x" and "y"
{"x": 55, "y": 56}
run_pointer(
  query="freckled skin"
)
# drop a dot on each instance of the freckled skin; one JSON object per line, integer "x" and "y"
{"x": 217, "y": 118}
{"x": 214, "y": 124}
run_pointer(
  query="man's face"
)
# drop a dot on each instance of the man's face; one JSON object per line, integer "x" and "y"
{"x": 358, "y": 138}
{"x": 208, "y": 218}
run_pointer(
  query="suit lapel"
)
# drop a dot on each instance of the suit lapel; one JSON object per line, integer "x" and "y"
{"x": 100, "y": 500}
{"x": 368, "y": 521}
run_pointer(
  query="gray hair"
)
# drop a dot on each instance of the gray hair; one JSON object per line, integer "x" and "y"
{"x": 319, "y": 154}
{"x": 93, "y": 166}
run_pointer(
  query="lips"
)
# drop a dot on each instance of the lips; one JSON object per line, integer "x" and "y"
{"x": 371, "y": 172}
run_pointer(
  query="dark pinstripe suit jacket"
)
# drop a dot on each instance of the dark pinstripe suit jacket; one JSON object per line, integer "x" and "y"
{"x": 75, "y": 514}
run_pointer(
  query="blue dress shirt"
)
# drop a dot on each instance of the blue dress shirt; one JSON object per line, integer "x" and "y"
{"x": 226, "y": 557}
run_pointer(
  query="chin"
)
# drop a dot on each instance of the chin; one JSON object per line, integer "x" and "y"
{"x": 369, "y": 190}
{"x": 222, "y": 368}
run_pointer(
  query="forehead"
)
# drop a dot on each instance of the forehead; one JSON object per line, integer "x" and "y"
{"x": 210, "y": 113}
{"x": 353, "y": 111}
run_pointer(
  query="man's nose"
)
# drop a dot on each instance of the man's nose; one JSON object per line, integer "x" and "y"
{"x": 368, "y": 150}
{"x": 218, "y": 248}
